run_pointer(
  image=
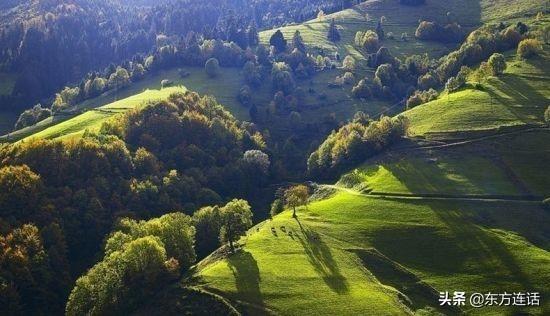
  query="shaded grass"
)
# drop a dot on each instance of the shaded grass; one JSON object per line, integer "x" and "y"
{"x": 307, "y": 268}
{"x": 446, "y": 174}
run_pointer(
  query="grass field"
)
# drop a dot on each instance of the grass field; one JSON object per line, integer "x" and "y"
{"x": 518, "y": 97}
{"x": 7, "y": 82}
{"x": 350, "y": 254}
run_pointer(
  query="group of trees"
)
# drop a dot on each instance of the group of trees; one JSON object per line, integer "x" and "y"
{"x": 87, "y": 35}
{"x": 354, "y": 142}
{"x": 179, "y": 154}
{"x": 142, "y": 256}
{"x": 433, "y": 31}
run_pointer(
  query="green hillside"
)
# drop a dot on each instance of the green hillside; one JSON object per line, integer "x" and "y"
{"x": 353, "y": 253}
{"x": 519, "y": 97}
{"x": 92, "y": 119}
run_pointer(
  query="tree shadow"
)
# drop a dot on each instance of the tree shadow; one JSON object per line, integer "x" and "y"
{"x": 247, "y": 277}
{"x": 483, "y": 244}
{"x": 520, "y": 98}
{"x": 320, "y": 256}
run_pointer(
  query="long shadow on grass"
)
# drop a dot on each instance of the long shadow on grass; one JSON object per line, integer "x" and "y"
{"x": 485, "y": 247}
{"x": 459, "y": 246}
{"x": 247, "y": 277}
{"x": 321, "y": 258}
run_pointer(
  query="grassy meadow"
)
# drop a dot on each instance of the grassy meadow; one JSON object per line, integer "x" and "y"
{"x": 352, "y": 254}
{"x": 519, "y": 97}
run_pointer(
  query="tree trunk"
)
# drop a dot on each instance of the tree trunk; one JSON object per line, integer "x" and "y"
{"x": 294, "y": 212}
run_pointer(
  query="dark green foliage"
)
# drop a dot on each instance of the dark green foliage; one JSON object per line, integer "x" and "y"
{"x": 278, "y": 41}
{"x": 433, "y": 31}
{"x": 212, "y": 67}
{"x": 252, "y": 74}
{"x": 282, "y": 78}
{"x": 355, "y": 142}
{"x": 420, "y": 97}
{"x": 333, "y": 33}
{"x": 139, "y": 258}
{"x": 277, "y": 206}
{"x": 245, "y": 95}
{"x": 298, "y": 42}
{"x": 361, "y": 90}
{"x": 236, "y": 218}
{"x": 497, "y": 63}
{"x": 207, "y": 222}
{"x": 33, "y": 271}
{"x": 32, "y": 116}
{"x": 367, "y": 40}
{"x": 529, "y": 48}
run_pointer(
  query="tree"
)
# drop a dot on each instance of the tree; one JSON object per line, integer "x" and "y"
{"x": 380, "y": 30}
{"x": 208, "y": 223}
{"x": 119, "y": 79}
{"x": 258, "y": 160}
{"x": 497, "y": 63}
{"x": 296, "y": 196}
{"x": 278, "y": 41}
{"x": 298, "y": 42}
{"x": 20, "y": 191}
{"x": 277, "y": 207}
{"x": 121, "y": 280}
{"x": 236, "y": 220}
{"x": 361, "y": 90}
{"x": 349, "y": 63}
{"x": 212, "y": 67}
{"x": 252, "y": 74}
{"x": 253, "y": 37}
{"x": 333, "y": 33}
{"x": 367, "y": 40}
{"x": 529, "y": 48}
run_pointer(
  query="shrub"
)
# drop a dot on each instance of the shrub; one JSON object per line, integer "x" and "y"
{"x": 529, "y": 48}
{"x": 511, "y": 36}
{"x": 433, "y": 31}
{"x": 361, "y": 90}
{"x": 497, "y": 64}
{"x": 348, "y": 78}
{"x": 212, "y": 67}
{"x": 349, "y": 63}
{"x": 245, "y": 95}
{"x": 421, "y": 97}
{"x": 333, "y": 33}
{"x": 355, "y": 142}
{"x": 278, "y": 41}
{"x": 32, "y": 116}
{"x": 367, "y": 40}
{"x": 427, "y": 81}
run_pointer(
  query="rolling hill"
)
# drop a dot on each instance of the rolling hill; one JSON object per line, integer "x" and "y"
{"x": 451, "y": 208}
